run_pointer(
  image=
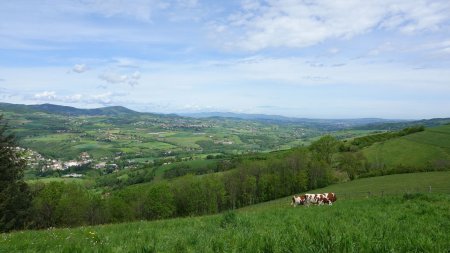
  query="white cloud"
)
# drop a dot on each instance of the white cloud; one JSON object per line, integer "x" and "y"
{"x": 46, "y": 95}
{"x": 288, "y": 23}
{"x": 73, "y": 98}
{"x": 112, "y": 77}
{"x": 80, "y": 68}
{"x": 116, "y": 78}
{"x": 106, "y": 98}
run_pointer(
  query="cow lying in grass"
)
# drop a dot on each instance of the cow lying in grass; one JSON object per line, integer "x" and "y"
{"x": 315, "y": 199}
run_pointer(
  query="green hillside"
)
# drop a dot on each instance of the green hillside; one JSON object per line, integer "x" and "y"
{"x": 402, "y": 223}
{"x": 428, "y": 148}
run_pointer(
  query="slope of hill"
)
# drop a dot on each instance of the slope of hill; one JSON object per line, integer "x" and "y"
{"x": 409, "y": 223}
{"x": 403, "y": 124}
{"x": 428, "y": 148}
{"x": 67, "y": 110}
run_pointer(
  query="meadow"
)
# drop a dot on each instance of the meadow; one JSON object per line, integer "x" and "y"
{"x": 422, "y": 149}
{"x": 405, "y": 222}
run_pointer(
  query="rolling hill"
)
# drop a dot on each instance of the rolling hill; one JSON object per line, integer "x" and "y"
{"x": 403, "y": 124}
{"x": 430, "y": 147}
{"x": 63, "y": 132}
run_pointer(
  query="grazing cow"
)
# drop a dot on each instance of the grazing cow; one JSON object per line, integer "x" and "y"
{"x": 331, "y": 196}
{"x": 316, "y": 199}
{"x": 296, "y": 200}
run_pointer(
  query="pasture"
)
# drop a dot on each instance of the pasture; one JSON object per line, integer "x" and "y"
{"x": 412, "y": 222}
{"x": 415, "y": 150}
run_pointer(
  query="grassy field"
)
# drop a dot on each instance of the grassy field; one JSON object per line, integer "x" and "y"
{"x": 418, "y": 149}
{"x": 391, "y": 185}
{"x": 401, "y": 223}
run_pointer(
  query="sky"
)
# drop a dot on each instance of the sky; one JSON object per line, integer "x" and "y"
{"x": 298, "y": 58}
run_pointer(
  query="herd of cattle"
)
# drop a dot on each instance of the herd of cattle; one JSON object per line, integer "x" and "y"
{"x": 316, "y": 199}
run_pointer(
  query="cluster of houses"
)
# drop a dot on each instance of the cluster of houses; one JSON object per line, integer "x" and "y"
{"x": 52, "y": 164}
{"x": 223, "y": 142}
{"x": 37, "y": 161}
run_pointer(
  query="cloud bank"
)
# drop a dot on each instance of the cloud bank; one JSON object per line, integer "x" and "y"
{"x": 298, "y": 24}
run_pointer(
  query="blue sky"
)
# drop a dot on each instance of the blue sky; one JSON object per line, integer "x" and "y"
{"x": 317, "y": 59}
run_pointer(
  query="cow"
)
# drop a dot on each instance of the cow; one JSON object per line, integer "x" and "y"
{"x": 297, "y": 201}
{"x": 331, "y": 196}
{"x": 316, "y": 199}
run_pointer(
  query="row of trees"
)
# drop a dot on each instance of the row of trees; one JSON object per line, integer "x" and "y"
{"x": 60, "y": 204}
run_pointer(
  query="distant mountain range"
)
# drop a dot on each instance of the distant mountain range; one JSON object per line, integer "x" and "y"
{"x": 361, "y": 123}
{"x": 67, "y": 110}
{"x": 278, "y": 118}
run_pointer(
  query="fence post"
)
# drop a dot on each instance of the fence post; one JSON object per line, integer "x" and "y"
{"x": 369, "y": 194}
{"x": 382, "y": 193}
{"x": 429, "y": 189}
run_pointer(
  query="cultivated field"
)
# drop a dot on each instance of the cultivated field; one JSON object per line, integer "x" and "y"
{"x": 414, "y": 222}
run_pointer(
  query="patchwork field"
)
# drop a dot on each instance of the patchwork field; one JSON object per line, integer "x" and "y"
{"x": 415, "y": 222}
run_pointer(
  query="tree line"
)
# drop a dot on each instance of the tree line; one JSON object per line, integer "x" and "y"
{"x": 59, "y": 204}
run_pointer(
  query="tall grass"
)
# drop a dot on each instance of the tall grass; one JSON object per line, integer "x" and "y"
{"x": 409, "y": 223}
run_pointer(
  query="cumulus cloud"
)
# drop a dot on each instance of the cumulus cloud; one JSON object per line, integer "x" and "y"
{"x": 286, "y": 23}
{"x": 105, "y": 98}
{"x": 116, "y": 78}
{"x": 80, "y": 68}
{"x": 46, "y": 95}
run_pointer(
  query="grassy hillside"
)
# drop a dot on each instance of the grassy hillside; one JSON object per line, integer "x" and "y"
{"x": 388, "y": 185}
{"x": 409, "y": 223}
{"x": 416, "y": 150}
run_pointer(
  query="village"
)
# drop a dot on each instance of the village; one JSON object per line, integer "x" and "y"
{"x": 38, "y": 162}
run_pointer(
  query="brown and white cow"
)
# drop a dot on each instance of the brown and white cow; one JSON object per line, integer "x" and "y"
{"x": 331, "y": 196}
{"x": 297, "y": 200}
{"x": 315, "y": 199}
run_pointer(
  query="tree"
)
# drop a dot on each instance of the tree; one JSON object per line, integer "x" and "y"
{"x": 15, "y": 197}
{"x": 352, "y": 163}
{"x": 159, "y": 202}
{"x": 324, "y": 148}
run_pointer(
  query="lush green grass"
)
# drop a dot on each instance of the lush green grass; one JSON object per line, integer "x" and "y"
{"x": 396, "y": 183}
{"x": 409, "y": 223}
{"x": 415, "y": 150}
{"x": 386, "y": 185}
{"x": 393, "y": 224}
